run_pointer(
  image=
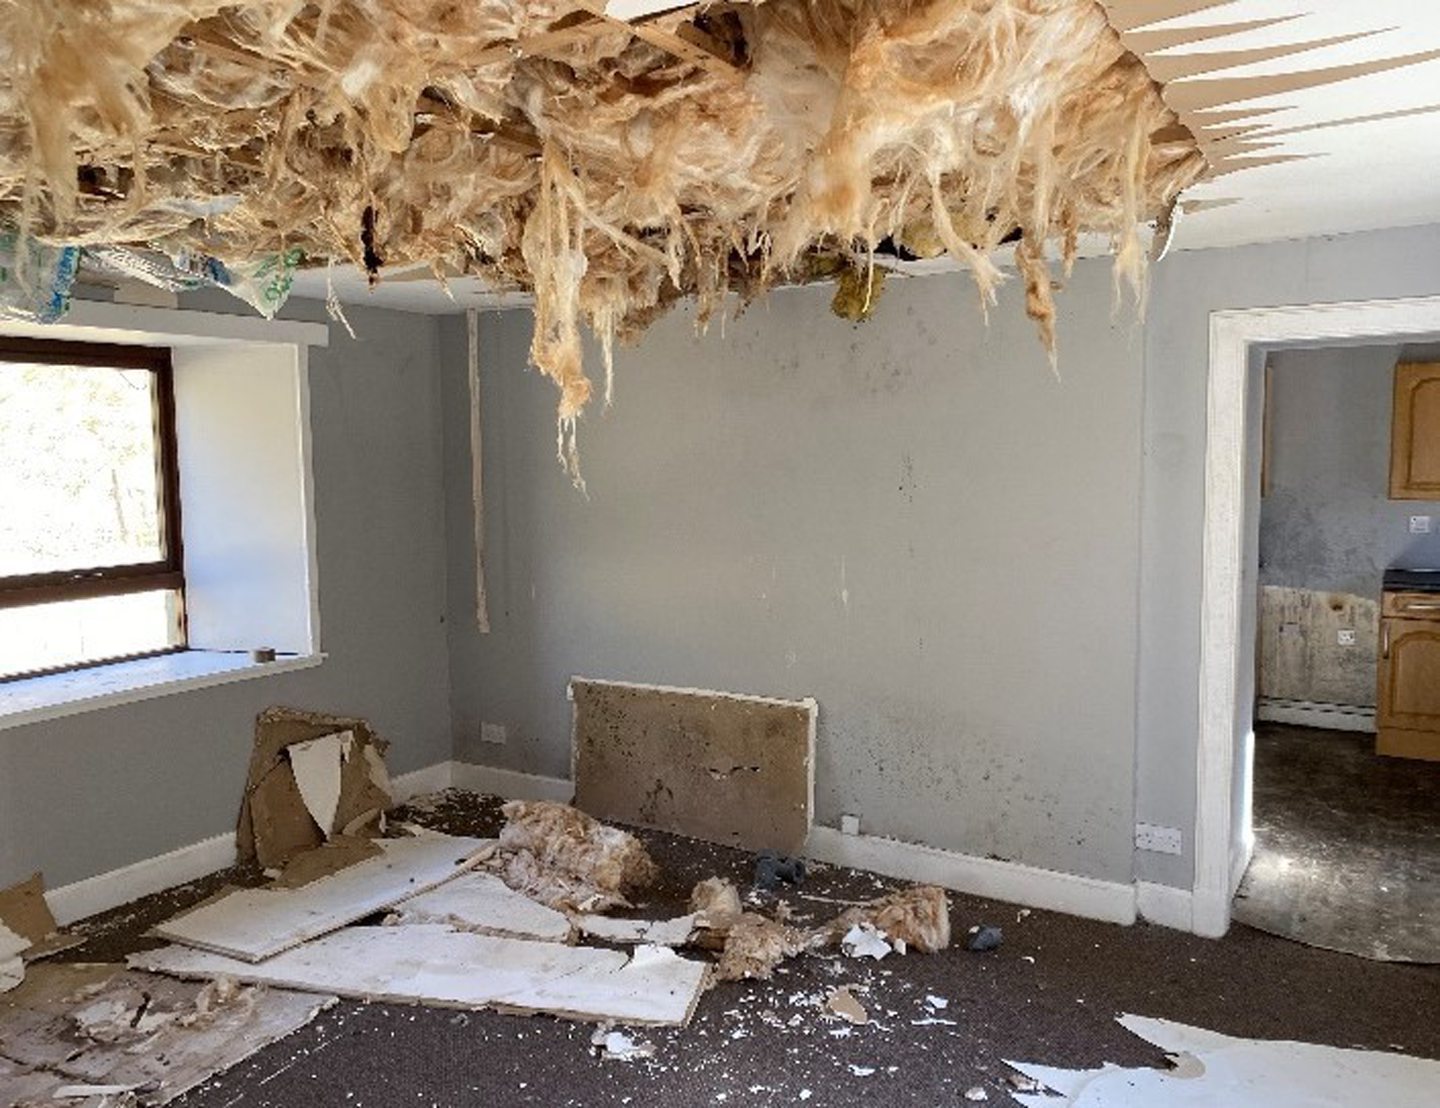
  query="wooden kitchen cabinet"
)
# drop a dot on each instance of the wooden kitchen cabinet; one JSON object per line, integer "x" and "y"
{"x": 1408, "y": 717}
{"x": 1415, "y": 432}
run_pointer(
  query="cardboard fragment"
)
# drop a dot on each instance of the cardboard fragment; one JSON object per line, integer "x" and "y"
{"x": 23, "y": 910}
{"x": 842, "y": 1003}
{"x": 339, "y": 853}
{"x": 434, "y": 965}
{"x": 275, "y": 824}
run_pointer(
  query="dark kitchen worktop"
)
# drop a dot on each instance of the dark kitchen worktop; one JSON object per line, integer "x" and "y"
{"x": 1412, "y": 580}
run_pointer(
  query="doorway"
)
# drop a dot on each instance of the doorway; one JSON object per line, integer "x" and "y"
{"x": 1346, "y": 839}
{"x": 1240, "y": 341}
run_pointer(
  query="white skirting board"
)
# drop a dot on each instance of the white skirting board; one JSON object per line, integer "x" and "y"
{"x": 1165, "y": 906}
{"x": 1009, "y": 881}
{"x": 1305, "y": 713}
{"x": 104, "y": 891}
{"x": 510, "y": 784}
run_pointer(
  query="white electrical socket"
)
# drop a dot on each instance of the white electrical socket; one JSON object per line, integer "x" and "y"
{"x": 1158, "y": 840}
{"x": 492, "y": 733}
{"x": 1420, "y": 525}
{"x": 1345, "y": 637}
{"x": 850, "y": 825}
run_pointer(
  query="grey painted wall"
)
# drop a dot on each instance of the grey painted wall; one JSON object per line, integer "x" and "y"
{"x": 1328, "y": 523}
{"x": 1185, "y": 289}
{"x": 910, "y": 520}
{"x": 92, "y": 792}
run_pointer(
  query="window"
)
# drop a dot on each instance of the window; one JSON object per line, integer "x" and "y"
{"x": 90, "y": 558}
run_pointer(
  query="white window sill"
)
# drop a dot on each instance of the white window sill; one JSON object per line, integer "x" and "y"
{"x": 34, "y": 699}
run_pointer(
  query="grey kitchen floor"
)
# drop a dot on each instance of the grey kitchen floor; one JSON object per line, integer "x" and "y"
{"x": 1347, "y": 846}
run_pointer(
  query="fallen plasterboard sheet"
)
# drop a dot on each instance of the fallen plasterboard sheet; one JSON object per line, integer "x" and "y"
{"x": 654, "y": 932}
{"x": 102, "y": 1025}
{"x": 1216, "y": 1071}
{"x": 254, "y": 924}
{"x": 484, "y": 904}
{"x": 730, "y": 769}
{"x": 317, "y": 766}
{"x": 431, "y": 964}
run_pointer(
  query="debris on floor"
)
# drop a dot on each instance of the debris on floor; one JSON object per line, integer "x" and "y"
{"x": 563, "y": 858}
{"x": 432, "y": 964}
{"x": 716, "y": 905}
{"x": 256, "y": 924}
{"x": 773, "y": 869}
{"x": 618, "y": 1046}
{"x": 916, "y": 917}
{"x": 662, "y": 932}
{"x": 28, "y": 931}
{"x": 346, "y": 788}
{"x": 1217, "y": 1070}
{"x": 84, "y": 1027}
{"x": 842, "y": 1003}
{"x": 484, "y": 904}
{"x": 864, "y": 941}
{"x": 755, "y": 945}
{"x": 981, "y": 939}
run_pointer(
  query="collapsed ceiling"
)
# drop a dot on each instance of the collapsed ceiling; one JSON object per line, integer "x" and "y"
{"x": 612, "y": 168}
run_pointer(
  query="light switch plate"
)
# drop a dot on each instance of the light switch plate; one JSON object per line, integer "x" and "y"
{"x": 1158, "y": 840}
{"x": 1345, "y": 637}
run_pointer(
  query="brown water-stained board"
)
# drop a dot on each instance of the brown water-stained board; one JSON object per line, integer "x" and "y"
{"x": 731, "y": 769}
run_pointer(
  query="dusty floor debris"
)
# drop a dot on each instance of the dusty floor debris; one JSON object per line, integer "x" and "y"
{"x": 755, "y": 945}
{"x": 74, "y": 1025}
{"x": 916, "y": 917}
{"x": 28, "y": 931}
{"x": 565, "y": 859}
{"x": 611, "y": 169}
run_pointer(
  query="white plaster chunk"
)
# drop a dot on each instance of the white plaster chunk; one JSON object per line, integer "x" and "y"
{"x": 484, "y": 904}
{"x": 1215, "y": 1070}
{"x": 664, "y": 932}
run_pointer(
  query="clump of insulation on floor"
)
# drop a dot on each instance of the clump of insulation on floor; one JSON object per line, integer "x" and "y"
{"x": 568, "y": 861}
{"x": 547, "y": 147}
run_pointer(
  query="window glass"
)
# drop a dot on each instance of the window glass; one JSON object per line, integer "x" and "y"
{"x": 79, "y": 468}
{"x": 77, "y": 632}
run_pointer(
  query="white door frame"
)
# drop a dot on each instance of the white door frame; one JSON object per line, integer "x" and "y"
{"x": 1232, "y": 336}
